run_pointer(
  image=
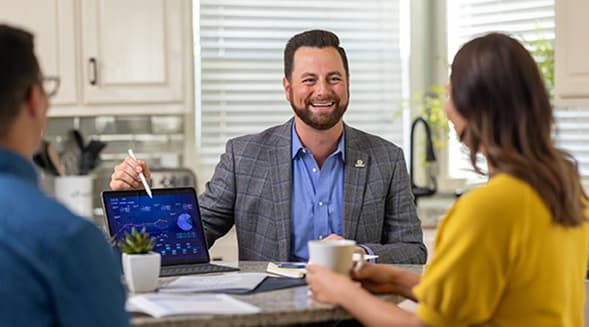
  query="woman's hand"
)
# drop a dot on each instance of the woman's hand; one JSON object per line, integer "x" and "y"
{"x": 126, "y": 175}
{"x": 375, "y": 278}
{"x": 328, "y": 286}
{"x": 386, "y": 279}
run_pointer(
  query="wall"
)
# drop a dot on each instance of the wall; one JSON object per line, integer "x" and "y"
{"x": 160, "y": 140}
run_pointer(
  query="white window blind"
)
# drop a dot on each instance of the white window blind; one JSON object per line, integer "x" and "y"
{"x": 527, "y": 20}
{"x": 239, "y": 47}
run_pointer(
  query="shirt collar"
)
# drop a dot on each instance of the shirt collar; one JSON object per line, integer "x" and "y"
{"x": 297, "y": 146}
{"x": 14, "y": 164}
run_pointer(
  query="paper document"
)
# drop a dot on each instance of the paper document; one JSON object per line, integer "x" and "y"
{"x": 231, "y": 282}
{"x": 162, "y": 305}
{"x": 292, "y": 270}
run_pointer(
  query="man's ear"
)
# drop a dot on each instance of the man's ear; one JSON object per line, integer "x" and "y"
{"x": 286, "y": 86}
{"x": 34, "y": 101}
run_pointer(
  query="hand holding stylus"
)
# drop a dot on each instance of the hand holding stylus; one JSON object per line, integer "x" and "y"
{"x": 143, "y": 180}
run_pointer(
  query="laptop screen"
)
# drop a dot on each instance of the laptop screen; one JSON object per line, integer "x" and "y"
{"x": 172, "y": 217}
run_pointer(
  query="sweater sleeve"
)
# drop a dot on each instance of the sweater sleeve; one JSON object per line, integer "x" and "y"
{"x": 464, "y": 283}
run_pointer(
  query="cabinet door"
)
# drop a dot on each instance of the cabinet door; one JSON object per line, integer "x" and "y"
{"x": 52, "y": 23}
{"x": 572, "y": 52}
{"x": 132, "y": 51}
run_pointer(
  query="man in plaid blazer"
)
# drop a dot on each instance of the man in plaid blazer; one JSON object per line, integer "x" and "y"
{"x": 311, "y": 178}
{"x": 252, "y": 188}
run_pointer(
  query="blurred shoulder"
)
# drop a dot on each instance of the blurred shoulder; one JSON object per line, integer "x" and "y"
{"x": 502, "y": 198}
{"x": 29, "y": 209}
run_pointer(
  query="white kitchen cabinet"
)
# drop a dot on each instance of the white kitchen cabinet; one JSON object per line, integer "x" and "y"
{"x": 132, "y": 51}
{"x": 53, "y": 24}
{"x": 112, "y": 56}
{"x": 572, "y": 53}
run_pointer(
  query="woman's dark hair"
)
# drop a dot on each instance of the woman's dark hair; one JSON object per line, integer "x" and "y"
{"x": 497, "y": 88}
{"x": 20, "y": 70}
{"x": 315, "y": 39}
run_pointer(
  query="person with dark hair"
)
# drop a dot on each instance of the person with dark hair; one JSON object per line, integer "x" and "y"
{"x": 511, "y": 253}
{"x": 57, "y": 269}
{"x": 311, "y": 178}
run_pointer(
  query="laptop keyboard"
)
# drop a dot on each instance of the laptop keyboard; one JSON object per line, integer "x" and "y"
{"x": 201, "y": 268}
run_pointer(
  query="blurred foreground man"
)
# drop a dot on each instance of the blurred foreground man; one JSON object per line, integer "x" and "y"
{"x": 56, "y": 268}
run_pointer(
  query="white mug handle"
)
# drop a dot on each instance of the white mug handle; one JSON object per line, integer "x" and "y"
{"x": 358, "y": 264}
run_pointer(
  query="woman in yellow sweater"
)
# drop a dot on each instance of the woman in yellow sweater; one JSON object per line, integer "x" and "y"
{"x": 511, "y": 253}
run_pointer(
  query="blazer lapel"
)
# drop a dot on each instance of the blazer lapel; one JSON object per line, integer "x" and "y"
{"x": 355, "y": 175}
{"x": 281, "y": 183}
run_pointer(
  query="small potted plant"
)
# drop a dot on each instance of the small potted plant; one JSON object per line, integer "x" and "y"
{"x": 141, "y": 265}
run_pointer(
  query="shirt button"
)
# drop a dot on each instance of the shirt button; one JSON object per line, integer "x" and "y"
{"x": 314, "y": 170}
{"x": 304, "y": 150}
{"x": 321, "y": 203}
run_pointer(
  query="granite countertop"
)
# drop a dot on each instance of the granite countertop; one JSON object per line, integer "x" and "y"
{"x": 292, "y": 306}
{"x": 431, "y": 210}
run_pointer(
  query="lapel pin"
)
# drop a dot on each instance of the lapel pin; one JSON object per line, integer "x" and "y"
{"x": 360, "y": 164}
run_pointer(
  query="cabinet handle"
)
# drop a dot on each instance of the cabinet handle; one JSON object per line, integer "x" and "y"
{"x": 92, "y": 72}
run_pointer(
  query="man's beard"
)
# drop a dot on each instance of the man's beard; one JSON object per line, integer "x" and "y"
{"x": 317, "y": 119}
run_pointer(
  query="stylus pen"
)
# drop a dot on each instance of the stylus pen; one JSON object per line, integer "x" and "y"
{"x": 143, "y": 180}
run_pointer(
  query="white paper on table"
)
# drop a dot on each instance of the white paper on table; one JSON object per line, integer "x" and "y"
{"x": 162, "y": 305}
{"x": 234, "y": 282}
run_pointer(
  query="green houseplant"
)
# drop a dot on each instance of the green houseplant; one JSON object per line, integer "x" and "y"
{"x": 137, "y": 242}
{"x": 430, "y": 107}
{"x": 542, "y": 50}
{"x": 141, "y": 265}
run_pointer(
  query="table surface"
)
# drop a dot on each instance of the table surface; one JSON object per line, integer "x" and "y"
{"x": 289, "y": 306}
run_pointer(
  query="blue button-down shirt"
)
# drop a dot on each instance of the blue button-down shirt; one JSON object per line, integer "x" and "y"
{"x": 317, "y": 196}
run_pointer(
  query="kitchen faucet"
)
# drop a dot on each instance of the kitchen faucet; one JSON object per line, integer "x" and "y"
{"x": 430, "y": 158}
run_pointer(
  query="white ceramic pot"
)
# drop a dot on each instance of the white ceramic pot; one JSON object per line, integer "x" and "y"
{"x": 142, "y": 271}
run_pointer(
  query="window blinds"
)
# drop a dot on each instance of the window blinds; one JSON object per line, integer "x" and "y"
{"x": 239, "y": 50}
{"x": 527, "y": 20}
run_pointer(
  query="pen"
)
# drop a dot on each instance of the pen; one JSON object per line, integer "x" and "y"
{"x": 294, "y": 265}
{"x": 143, "y": 180}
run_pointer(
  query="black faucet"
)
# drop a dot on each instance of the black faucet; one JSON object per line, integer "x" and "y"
{"x": 430, "y": 157}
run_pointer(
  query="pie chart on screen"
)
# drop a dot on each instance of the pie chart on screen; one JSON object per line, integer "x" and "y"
{"x": 184, "y": 222}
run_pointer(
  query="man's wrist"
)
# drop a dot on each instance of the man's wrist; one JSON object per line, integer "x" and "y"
{"x": 367, "y": 251}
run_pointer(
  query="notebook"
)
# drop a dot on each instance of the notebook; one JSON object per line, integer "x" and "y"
{"x": 172, "y": 217}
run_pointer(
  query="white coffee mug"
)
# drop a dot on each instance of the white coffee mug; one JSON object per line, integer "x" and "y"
{"x": 75, "y": 192}
{"x": 336, "y": 255}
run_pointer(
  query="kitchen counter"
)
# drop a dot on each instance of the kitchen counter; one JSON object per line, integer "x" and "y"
{"x": 292, "y": 306}
{"x": 431, "y": 210}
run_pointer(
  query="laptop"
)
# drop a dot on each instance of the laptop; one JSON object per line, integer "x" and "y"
{"x": 172, "y": 217}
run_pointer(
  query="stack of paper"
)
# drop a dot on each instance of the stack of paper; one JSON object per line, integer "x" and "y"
{"x": 162, "y": 305}
{"x": 227, "y": 283}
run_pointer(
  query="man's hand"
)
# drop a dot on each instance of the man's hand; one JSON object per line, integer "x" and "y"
{"x": 126, "y": 174}
{"x": 333, "y": 237}
{"x": 338, "y": 237}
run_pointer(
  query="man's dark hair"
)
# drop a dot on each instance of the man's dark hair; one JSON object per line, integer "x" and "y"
{"x": 19, "y": 71}
{"x": 314, "y": 39}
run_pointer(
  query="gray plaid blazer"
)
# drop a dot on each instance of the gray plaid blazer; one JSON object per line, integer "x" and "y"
{"x": 252, "y": 187}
